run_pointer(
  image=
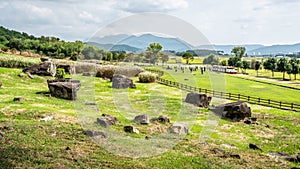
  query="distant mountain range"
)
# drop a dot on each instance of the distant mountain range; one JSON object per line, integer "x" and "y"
{"x": 133, "y": 43}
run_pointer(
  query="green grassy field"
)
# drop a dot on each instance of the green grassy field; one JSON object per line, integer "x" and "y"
{"x": 62, "y": 143}
{"x": 230, "y": 83}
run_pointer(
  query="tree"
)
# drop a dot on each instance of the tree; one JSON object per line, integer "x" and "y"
{"x": 295, "y": 67}
{"x": 282, "y": 66}
{"x": 270, "y": 64}
{"x": 239, "y": 51}
{"x": 187, "y": 56}
{"x": 154, "y": 50}
{"x": 257, "y": 66}
{"x": 223, "y": 63}
{"x": 211, "y": 59}
{"x": 239, "y": 65}
{"x": 245, "y": 65}
{"x": 164, "y": 58}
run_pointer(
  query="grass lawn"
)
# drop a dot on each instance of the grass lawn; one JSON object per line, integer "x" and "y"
{"x": 229, "y": 83}
{"x": 62, "y": 142}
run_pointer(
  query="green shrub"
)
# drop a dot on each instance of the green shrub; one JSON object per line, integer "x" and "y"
{"x": 60, "y": 73}
{"x": 147, "y": 77}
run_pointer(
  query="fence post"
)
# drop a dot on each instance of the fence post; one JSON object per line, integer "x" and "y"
{"x": 292, "y": 106}
{"x": 229, "y": 96}
{"x": 258, "y": 100}
{"x": 213, "y": 93}
{"x": 239, "y": 96}
{"x": 248, "y": 98}
{"x": 269, "y": 101}
{"x": 221, "y": 94}
{"x": 205, "y": 91}
{"x": 280, "y": 104}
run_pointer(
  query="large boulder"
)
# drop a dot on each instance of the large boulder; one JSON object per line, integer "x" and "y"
{"x": 200, "y": 100}
{"x": 43, "y": 69}
{"x": 64, "y": 88}
{"x": 235, "y": 110}
{"x": 122, "y": 82}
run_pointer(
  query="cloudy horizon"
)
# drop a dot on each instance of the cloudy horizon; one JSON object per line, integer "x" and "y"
{"x": 264, "y": 22}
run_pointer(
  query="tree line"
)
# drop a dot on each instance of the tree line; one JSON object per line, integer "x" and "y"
{"x": 284, "y": 65}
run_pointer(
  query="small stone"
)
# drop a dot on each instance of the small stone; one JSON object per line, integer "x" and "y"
{"x": 266, "y": 125}
{"x": 247, "y": 121}
{"x": 111, "y": 119}
{"x": 103, "y": 122}
{"x": 219, "y": 151}
{"x": 254, "y": 147}
{"x": 21, "y": 75}
{"x": 86, "y": 74}
{"x": 233, "y": 155}
{"x": 178, "y": 129}
{"x": 142, "y": 119}
{"x": 131, "y": 129}
{"x": 93, "y": 133}
{"x": 2, "y": 134}
{"x": 164, "y": 119}
{"x": 18, "y": 99}
{"x": 68, "y": 148}
{"x": 90, "y": 103}
{"x": 148, "y": 137}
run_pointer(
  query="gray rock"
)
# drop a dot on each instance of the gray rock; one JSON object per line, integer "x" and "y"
{"x": 43, "y": 69}
{"x": 234, "y": 111}
{"x": 21, "y": 75}
{"x": 131, "y": 129}
{"x": 163, "y": 119}
{"x": 103, "y": 122}
{"x": 178, "y": 129}
{"x": 86, "y": 74}
{"x": 93, "y": 133}
{"x": 122, "y": 82}
{"x": 142, "y": 119}
{"x": 64, "y": 88}
{"x": 18, "y": 99}
{"x": 111, "y": 119}
{"x": 200, "y": 100}
{"x": 285, "y": 156}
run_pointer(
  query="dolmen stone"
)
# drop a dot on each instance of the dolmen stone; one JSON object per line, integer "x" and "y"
{"x": 178, "y": 129}
{"x": 64, "y": 88}
{"x": 200, "y": 100}
{"x": 142, "y": 119}
{"x": 131, "y": 129}
{"x": 234, "y": 111}
{"x": 107, "y": 120}
{"x": 43, "y": 69}
{"x": 122, "y": 82}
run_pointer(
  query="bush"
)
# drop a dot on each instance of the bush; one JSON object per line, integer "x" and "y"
{"x": 147, "y": 77}
{"x": 130, "y": 71}
{"x": 60, "y": 73}
{"x": 108, "y": 71}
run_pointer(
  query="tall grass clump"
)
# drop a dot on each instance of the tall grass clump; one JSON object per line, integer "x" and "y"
{"x": 108, "y": 71}
{"x": 147, "y": 77}
{"x": 13, "y": 61}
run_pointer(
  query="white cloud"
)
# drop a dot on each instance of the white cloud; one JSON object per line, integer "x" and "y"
{"x": 137, "y": 6}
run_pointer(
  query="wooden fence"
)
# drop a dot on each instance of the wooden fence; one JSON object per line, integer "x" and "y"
{"x": 230, "y": 96}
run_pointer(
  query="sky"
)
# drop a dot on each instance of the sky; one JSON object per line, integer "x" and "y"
{"x": 266, "y": 22}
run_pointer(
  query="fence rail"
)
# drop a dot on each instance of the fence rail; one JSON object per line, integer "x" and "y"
{"x": 230, "y": 96}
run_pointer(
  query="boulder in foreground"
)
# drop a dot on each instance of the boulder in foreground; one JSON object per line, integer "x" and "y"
{"x": 64, "y": 88}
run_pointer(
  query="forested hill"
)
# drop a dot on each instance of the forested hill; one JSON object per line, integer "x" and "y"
{"x": 49, "y": 46}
